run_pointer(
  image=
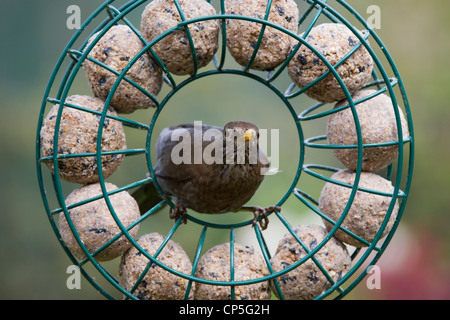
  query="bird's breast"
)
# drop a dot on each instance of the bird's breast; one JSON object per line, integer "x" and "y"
{"x": 225, "y": 189}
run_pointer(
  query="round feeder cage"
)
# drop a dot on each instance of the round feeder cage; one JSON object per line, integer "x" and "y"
{"x": 385, "y": 80}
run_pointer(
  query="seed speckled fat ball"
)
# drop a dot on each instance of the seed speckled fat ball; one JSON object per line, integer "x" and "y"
{"x": 378, "y": 125}
{"x": 307, "y": 281}
{"x": 95, "y": 224}
{"x": 215, "y": 265}
{"x": 78, "y": 134}
{"x": 116, "y": 49}
{"x": 368, "y": 210}
{"x": 334, "y": 42}
{"x": 242, "y": 35}
{"x": 157, "y": 284}
{"x": 175, "y": 50}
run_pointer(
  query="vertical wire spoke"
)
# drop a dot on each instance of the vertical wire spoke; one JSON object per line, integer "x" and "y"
{"x": 260, "y": 37}
{"x": 219, "y": 66}
{"x": 189, "y": 36}
{"x": 306, "y": 14}
{"x": 232, "y": 242}
{"x": 266, "y": 255}
{"x": 198, "y": 253}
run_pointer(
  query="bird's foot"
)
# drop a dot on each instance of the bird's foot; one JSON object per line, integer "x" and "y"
{"x": 178, "y": 212}
{"x": 260, "y": 212}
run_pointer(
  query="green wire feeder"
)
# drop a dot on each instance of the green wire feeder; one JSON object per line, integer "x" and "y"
{"x": 385, "y": 79}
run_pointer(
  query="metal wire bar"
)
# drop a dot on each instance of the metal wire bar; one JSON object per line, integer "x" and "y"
{"x": 307, "y": 167}
{"x": 127, "y": 152}
{"x": 304, "y": 115}
{"x": 198, "y": 252}
{"x": 232, "y": 243}
{"x": 310, "y": 143}
{"x": 305, "y": 34}
{"x": 126, "y": 122}
{"x": 110, "y": 193}
{"x": 306, "y": 14}
{"x": 260, "y": 37}
{"x": 188, "y": 33}
{"x": 266, "y": 255}
{"x": 219, "y": 65}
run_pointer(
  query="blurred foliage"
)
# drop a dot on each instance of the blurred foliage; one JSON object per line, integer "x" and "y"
{"x": 33, "y": 35}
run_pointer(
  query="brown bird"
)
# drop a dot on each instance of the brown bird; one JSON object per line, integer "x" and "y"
{"x": 211, "y": 169}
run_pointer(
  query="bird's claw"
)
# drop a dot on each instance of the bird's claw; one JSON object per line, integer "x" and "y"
{"x": 262, "y": 212}
{"x": 179, "y": 212}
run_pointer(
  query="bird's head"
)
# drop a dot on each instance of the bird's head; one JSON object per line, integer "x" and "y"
{"x": 241, "y": 138}
{"x": 241, "y": 130}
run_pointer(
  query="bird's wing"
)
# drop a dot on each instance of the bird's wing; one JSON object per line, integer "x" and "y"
{"x": 169, "y": 138}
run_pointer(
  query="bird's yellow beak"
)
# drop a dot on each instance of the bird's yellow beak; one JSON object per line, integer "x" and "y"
{"x": 249, "y": 135}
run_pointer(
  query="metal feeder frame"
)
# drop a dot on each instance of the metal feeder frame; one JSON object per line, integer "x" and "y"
{"x": 381, "y": 81}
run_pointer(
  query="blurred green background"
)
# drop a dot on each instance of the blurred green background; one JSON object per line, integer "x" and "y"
{"x": 33, "y": 35}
